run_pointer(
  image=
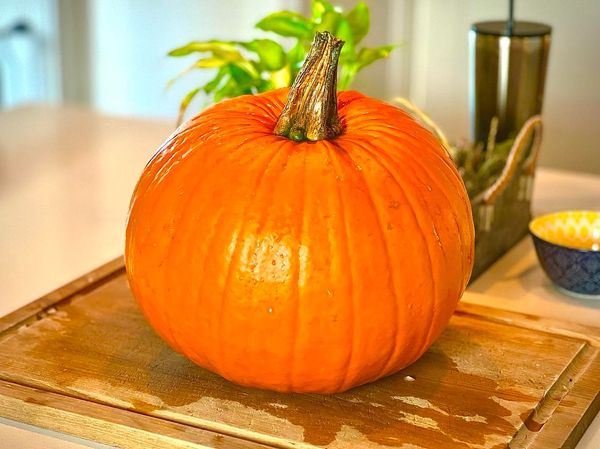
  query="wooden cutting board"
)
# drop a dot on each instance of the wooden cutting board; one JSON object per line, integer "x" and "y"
{"x": 82, "y": 360}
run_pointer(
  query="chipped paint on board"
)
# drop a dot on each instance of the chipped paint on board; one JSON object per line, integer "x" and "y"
{"x": 419, "y": 421}
{"x": 53, "y": 321}
{"x": 105, "y": 392}
{"x": 424, "y": 403}
{"x": 277, "y": 405}
{"x": 239, "y": 416}
{"x": 349, "y": 437}
{"x": 516, "y": 409}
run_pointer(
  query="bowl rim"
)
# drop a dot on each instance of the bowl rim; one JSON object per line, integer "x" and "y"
{"x": 548, "y": 215}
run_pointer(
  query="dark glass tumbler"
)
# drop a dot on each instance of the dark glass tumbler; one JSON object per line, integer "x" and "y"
{"x": 508, "y": 72}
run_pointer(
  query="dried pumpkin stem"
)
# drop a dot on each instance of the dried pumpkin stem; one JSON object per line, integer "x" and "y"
{"x": 311, "y": 109}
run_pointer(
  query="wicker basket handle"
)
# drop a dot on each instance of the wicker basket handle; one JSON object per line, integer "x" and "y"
{"x": 534, "y": 124}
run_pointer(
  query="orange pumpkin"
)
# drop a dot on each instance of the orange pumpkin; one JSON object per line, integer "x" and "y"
{"x": 310, "y": 264}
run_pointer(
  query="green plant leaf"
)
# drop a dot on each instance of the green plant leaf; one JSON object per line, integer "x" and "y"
{"x": 281, "y": 78}
{"x": 359, "y": 21}
{"x": 240, "y": 74}
{"x": 329, "y": 21}
{"x": 288, "y": 24}
{"x": 248, "y": 67}
{"x": 220, "y": 49}
{"x": 344, "y": 32}
{"x": 270, "y": 53}
{"x": 209, "y": 63}
{"x": 239, "y": 82}
{"x": 295, "y": 57}
{"x": 213, "y": 84}
{"x": 203, "y": 63}
{"x": 367, "y": 56}
{"x": 227, "y": 90}
{"x": 318, "y": 8}
{"x": 347, "y": 74}
{"x": 185, "y": 103}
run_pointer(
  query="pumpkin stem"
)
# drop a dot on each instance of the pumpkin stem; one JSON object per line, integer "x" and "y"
{"x": 311, "y": 109}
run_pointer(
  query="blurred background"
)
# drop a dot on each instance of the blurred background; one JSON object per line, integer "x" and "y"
{"x": 110, "y": 55}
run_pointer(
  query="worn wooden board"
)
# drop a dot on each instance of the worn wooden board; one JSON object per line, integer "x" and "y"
{"x": 82, "y": 360}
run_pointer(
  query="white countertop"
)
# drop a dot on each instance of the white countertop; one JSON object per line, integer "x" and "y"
{"x": 66, "y": 175}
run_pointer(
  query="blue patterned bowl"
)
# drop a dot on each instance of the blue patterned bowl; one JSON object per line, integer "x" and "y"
{"x": 568, "y": 247}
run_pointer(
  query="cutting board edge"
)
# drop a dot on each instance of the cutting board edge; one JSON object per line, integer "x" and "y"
{"x": 106, "y": 424}
{"x": 87, "y": 282}
{"x": 565, "y": 401}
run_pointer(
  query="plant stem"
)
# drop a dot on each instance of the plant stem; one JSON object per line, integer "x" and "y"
{"x": 311, "y": 109}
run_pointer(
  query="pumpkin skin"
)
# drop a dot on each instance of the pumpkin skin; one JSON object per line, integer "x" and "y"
{"x": 300, "y": 266}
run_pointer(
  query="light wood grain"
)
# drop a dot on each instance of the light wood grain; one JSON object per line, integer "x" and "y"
{"x": 488, "y": 382}
{"x": 554, "y": 326}
{"x": 105, "y": 424}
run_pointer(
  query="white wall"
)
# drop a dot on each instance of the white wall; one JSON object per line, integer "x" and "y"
{"x": 439, "y": 71}
{"x": 130, "y": 39}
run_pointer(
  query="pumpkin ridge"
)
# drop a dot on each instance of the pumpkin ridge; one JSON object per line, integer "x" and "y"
{"x": 451, "y": 180}
{"x": 210, "y": 248}
{"x": 442, "y": 190}
{"x": 342, "y": 209}
{"x": 374, "y": 112}
{"x": 454, "y": 220}
{"x": 159, "y": 164}
{"x": 245, "y": 123}
{"x": 434, "y": 310}
{"x": 164, "y": 168}
{"x": 384, "y": 242}
{"x": 433, "y": 177}
{"x": 235, "y": 253}
{"x": 294, "y": 333}
{"x": 167, "y": 166}
{"x": 171, "y": 140}
{"x": 435, "y": 286}
{"x": 151, "y": 210}
{"x": 216, "y": 161}
{"x": 268, "y": 105}
{"x": 443, "y": 157}
{"x": 374, "y": 156}
{"x": 191, "y": 195}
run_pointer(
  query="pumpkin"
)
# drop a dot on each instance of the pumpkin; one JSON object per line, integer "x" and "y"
{"x": 296, "y": 241}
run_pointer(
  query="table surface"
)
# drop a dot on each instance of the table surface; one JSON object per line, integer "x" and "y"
{"x": 66, "y": 175}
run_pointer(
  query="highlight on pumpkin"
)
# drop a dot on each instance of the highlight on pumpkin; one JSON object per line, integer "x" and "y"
{"x": 311, "y": 264}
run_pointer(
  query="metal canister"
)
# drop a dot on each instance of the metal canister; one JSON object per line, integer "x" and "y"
{"x": 508, "y": 71}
